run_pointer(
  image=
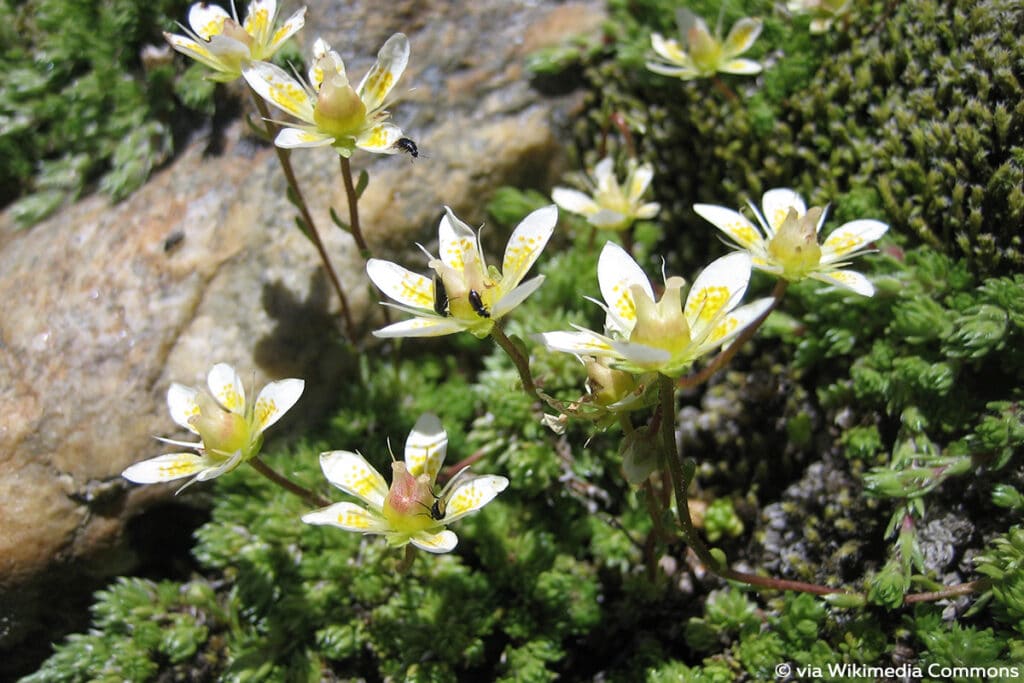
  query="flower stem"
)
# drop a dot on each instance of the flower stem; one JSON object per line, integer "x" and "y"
{"x": 283, "y": 157}
{"x": 353, "y": 208}
{"x": 288, "y": 484}
{"x": 521, "y": 361}
{"x": 727, "y": 355}
{"x": 405, "y": 564}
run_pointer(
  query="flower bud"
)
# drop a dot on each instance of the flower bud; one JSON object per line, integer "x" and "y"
{"x": 795, "y": 246}
{"x": 222, "y": 431}
{"x": 408, "y": 502}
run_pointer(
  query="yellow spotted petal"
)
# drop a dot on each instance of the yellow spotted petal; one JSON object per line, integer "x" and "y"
{"x": 617, "y": 274}
{"x": 381, "y": 78}
{"x": 776, "y": 205}
{"x": 457, "y": 242}
{"x": 275, "y": 400}
{"x": 426, "y": 446}
{"x": 207, "y": 20}
{"x": 471, "y": 495}
{"x": 195, "y": 50}
{"x": 742, "y": 35}
{"x": 402, "y": 285}
{"x": 524, "y": 246}
{"x": 181, "y": 401}
{"x": 582, "y": 343}
{"x": 441, "y": 542}
{"x": 259, "y": 20}
{"x": 351, "y": 473}
{"x": 426, "y": 326}
{"x": 850, "y": 238}
{"x": 275, "y": 85}
{"x": 716, "y": 291}
{"x": 296, "y": 138}
{"x": 348, "y": 516}
{"x": 226, "y": 386}
{"x": 166, "y": 468}
{"x": 380, "y": 139}
{"x": 734, "y": 224}
{"x": 847, "y": 279}
{"x": 285, "y": 31}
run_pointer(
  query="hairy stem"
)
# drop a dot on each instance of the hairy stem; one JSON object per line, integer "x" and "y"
{"x": 521, "y": 361}
{"x": 283, "y": 156}
{"x": 289, "y": 485}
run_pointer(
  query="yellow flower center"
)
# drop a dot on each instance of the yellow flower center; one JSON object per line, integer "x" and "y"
{"x": 339, "y": 111}
{"x": 661, "y": 325}
{"x": 795, "y": 245}
{"x": 408, "y": 502}
{"x": 222, "y": 431}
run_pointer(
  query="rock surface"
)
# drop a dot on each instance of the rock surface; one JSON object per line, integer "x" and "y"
{"x": 105, "y": 305}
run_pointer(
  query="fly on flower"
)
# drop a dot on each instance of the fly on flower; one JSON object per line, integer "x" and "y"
{"x": 407, "y": 511}
{"x": 332, "y": 111}
{"x": 664, "y": 336}
{"x": 465, "y": 293}
{"x": 222, "y": 43}
{"x": 785, "y": 243}
{"x": 230, "y": 429}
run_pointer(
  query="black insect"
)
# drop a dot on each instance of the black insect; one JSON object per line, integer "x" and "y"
{"x": 440, "y": 298}
{"x": 173, "y": 241}
{"x": 478, "y": 304}
{"x": 408, "y": 145}
{"x": 437, "y": 509}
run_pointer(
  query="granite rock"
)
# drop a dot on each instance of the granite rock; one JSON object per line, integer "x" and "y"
{"x": 105, "y": 305}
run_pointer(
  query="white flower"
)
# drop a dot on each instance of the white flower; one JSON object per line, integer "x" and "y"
{"x": 785, "y": 243}
{"x": 221, "y": 43}
{"x": 644, "y": 335}
{"x": 230, "y": 430}
{"x": 408, "y": 511}
{"x": 611, "y": 206}
{"x": 465, "y": 293}
{"x": 823, "y": 12}
{"x": 336, "y": 114}
{"x": 705, "y": 55}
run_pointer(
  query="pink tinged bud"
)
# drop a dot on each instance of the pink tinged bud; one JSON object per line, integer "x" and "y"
{"x": 339, "y": 111}
{"x": 795, "y": 245}
{"x": 222, "y": 431}
{"x": 408, "y": 502}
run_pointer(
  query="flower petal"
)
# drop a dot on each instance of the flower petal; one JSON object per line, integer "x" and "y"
{"x": 325, "y": 60}
{"x": 275, "y": 85}
{"x": 275, "y": 400}
{"x": 684, "y": 72}
{"x": 639, "y": 179}
{"x": 348, "y": 516}
{"x": 731, "y": 325}
{"x": 742, "y": 35}
{"x": 441, "y": 542}
{"x": 378, "y": 81}
{"x": 524, "y": 246}
{"x": 617, "y": 274}
{"x": 716, "y": 291}
{"x": 574, "y": 201}
{"x": 777, "y": 203}
{"x": 197, "y": 51}
{"x": 426, "y": 446}
{"x": 294, "y": 138}
{"x": 457, "y": 243}
{"x": 423, "y": 326}
{"x": 259, "y": 20}
{"x": 166, "y": 468}
{"x": 847, "y": 279}
{"x": 734, "y": 224}
{"x": 648, "y": 210}
{"x": 285, "y": 31}
{"x": 181, "y": 401}
{"x": 400, "y": 284}
{"x": 640, "y": 355}
{"x": 517, "y": 296}
{"x": 380, "y": 139}
{"x": 851, "y": 237}
{"x": 226, "y": 387}
{"x": 206, "y": 19}
{"x": 669, "y": 50}
{"x": 741, "y": 67}
{"x": 473, "y": 494}
{"x": 211, "y": 472}
{"x": 351, "y": 473}
{"x": 582, "y": 343}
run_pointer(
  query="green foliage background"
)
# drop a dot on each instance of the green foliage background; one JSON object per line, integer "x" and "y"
{"x": 869, "y": 443}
